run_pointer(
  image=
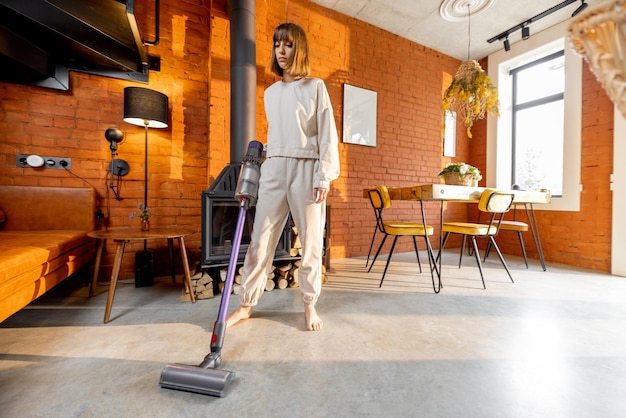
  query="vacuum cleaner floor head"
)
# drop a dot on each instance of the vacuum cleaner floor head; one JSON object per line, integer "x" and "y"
{"x": 214, "y": 382}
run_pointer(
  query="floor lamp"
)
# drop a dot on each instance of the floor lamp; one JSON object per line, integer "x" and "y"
{"x": 147, "y": 108}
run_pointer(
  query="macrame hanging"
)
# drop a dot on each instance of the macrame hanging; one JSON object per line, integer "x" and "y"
{"x": 471, "y": 94}
{"x": 599, "y": 35}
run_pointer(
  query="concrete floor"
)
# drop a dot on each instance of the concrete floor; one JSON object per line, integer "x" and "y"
{"x": 551, "y": 345}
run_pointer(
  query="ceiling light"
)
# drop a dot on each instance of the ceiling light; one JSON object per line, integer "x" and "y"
{"x": 580, "y": 8}
{"x": 507, "y": 45}
{"x": 525, "y": 32}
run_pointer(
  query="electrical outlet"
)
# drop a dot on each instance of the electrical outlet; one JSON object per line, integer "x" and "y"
{"x": 49, "y": 162}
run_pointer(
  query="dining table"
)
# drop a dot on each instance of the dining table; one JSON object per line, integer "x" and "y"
{"x": 445, "y": 193}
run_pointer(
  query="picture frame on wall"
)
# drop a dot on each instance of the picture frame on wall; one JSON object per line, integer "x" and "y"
{"x": 359, "y": 115}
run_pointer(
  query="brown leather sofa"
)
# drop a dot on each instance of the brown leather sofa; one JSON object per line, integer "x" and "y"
{"x": 43, "y": 240}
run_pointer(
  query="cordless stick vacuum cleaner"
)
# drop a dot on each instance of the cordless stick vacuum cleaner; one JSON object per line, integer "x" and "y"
{"x": 206, "y": 378}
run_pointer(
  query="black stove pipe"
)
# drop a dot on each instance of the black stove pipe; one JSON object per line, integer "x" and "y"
{"x": 242, "y": 76}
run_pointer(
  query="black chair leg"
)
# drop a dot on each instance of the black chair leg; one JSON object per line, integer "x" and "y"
{"x": 480, "y": 265}
{"x": 462, "y": 249}
{"x": 371, "y": 246}
{"x": 443, "y": 244}
{"x": 418, "y": 254}
{"x": 501, "y": 258}
{"x": 521, "y": 243}
{"x": 487, "y": 251}
{"x": 378, "y": 252}
{"x": 433, "y": 266}
{"x": 393, "y": 245}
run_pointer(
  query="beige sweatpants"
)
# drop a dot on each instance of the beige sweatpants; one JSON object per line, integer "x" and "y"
{"x": 286, "y": 185}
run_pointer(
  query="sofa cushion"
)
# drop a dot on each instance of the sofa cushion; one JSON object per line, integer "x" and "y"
{"x": 22, "y": 251}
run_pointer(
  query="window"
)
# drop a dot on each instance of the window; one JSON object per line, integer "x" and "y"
{"x": 537, "y": 124}
{"x": 523, "y": 140}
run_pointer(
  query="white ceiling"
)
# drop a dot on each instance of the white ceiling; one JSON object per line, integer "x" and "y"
{"x": 420, "y": 20}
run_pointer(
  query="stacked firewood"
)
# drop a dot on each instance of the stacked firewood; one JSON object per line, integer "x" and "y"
{"x": 201, "y": 285}
{"x": 282, "y": 275}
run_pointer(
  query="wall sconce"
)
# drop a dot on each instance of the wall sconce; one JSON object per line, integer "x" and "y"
{"x": 118, "y": 167}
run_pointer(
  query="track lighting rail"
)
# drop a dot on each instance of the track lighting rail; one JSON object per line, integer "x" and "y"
{"x": 504, "y": 36}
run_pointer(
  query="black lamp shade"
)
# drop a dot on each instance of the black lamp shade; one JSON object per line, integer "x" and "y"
{"x": 145, "y": 107}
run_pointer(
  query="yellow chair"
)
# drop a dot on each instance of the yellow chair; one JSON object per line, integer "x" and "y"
{"x": 515, "y": 226}
{"x": 496, "y": 204}
{"x": 380, "y": 200}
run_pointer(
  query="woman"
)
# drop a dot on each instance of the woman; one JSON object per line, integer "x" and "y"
{"x": 302, "y": 159}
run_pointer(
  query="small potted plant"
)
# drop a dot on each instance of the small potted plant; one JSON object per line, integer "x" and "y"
{"x": 144, "y": 215}
{"x": 461, "y": 174}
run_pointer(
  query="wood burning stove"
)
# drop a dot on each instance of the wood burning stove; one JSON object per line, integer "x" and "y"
{"x": 219, "y": 220}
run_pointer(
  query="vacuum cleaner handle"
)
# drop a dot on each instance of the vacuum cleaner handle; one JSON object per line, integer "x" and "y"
{"x": 232, "y": 267}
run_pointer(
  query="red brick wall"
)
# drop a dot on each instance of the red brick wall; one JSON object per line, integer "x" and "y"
{"x": 72, "y": 124}
{"x": 188, "y": 155}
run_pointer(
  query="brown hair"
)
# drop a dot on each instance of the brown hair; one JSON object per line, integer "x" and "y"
{"x": 299, "y": 65}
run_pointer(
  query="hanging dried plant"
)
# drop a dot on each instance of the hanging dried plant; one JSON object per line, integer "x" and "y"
{"x": 472, "y": 94}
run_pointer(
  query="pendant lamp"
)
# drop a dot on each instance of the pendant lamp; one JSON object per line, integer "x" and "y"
{"x": 471, "y": 94}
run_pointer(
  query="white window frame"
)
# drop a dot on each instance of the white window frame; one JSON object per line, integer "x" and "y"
{"x": 499, "y": 158}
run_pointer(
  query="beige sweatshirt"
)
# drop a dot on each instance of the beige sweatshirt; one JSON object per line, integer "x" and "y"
{"x": 301, "y": 125}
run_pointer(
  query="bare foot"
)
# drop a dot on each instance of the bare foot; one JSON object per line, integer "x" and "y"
{"x": 313, "y": 321}
{"x": 242, "y": 312}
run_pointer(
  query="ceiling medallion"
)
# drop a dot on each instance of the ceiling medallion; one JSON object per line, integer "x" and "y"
{"x": 456, "y": 10}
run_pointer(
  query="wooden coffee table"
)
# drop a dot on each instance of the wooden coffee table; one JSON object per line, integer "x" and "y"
{"x": 124, "y": 235}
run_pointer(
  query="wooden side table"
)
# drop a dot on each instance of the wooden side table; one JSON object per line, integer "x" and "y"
{"x": 124, "y": 235}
